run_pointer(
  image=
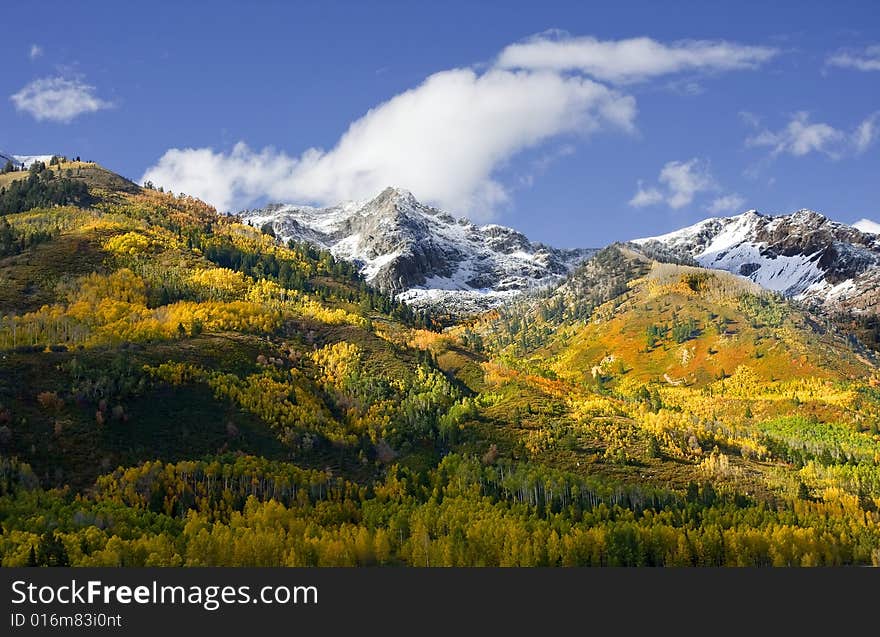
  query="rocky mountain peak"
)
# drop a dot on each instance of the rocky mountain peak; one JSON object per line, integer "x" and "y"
{"x": 394, "y": 196}
{"x": 424, "y": 255}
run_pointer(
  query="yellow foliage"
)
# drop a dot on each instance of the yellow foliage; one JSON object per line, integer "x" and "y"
{"x": 337, "y": 362}
{"x": 176, "y": 373}
{"x": 586, "y": 408}
{"x": 717, "y": 465}
{"x": 424, "y": 339}
{"x": 270, "y": 293}
{"x": 744, "y": 382}
{"x": 338, "y": 316}
{"x": 216, "y": 315}
{"x": 129, "y": 244}
{"x": 122, "y": 285}
{"x": 182, "y": 210}
{"x": 220, "y": 282}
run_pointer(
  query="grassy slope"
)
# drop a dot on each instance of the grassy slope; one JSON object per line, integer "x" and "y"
{"x": 92, "y": 174}
{"x": 726, "y": 336}
{"x": 64, "y": 446}
{"x": 527, "y": 400}
{"x": 29, "y": 280}
{"x": 656, "y": 415}
{"x": 536, "y": 392}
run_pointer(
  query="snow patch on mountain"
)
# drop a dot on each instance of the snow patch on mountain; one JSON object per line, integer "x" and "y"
{"x": 23, "y": 161}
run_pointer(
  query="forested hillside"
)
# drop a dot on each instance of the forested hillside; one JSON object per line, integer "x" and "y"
{"x": 180, "y": 388}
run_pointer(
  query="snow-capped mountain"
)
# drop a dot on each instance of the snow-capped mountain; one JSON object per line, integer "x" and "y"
{"x": 424, "y": 255}
{"x": 803, "y": 255}
{"x": 23, "y": 161}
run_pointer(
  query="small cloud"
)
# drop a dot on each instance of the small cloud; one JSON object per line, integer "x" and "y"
{"x": 867, "y": 59}
{"x": 630, "y": 60}
{"x": 645, "y": 196}
{"x": 526, "y": 181}
{"x": 58, "y": 99}
{"x": 866, "y": 133}
{"x": 726, "y": 204}
{"x": 35, "y": 52}
{"x": 866, "y": 225}
{"x": 685, "y": 180}
{"x": 687, "y": 88}
{"x": 750, "y": 119}
{"x": 801, "y": 137}
{"x": 679, "y": 183}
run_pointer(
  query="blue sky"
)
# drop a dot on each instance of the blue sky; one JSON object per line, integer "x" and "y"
{"x": 549, "y": 117}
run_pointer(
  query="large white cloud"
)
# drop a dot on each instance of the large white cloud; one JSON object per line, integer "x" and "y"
{"x": 225, "y": 180}
{"x": 443, "y": 140}
{"x": 632, "y": 59}
{"x": 447, "y": 138}
{"x": 58, "y": 99}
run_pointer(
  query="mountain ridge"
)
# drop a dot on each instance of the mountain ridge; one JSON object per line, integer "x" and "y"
{"x": 433, "y": 260}
{"x": 426, "y": 256}
{"x": 803, "y": 255}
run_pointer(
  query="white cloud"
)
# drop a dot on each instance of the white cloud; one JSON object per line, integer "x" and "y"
{"x": 645, "y": 196}
{"x": 688, "y": 88}
{"x": 447, "y": 138}
{"x": 750, "y": 119}
{"x": 443, "y": 140}
{"x": 223, "y": 180}
{"x": 866, "y": 225}
{"x": 630, "y": 60}
{"x": 866, "y": 133}
{"x": 680, "y": 182}
{"x": 35, "y": 52}
{"x": 726, "y": 204}
{"x": 801, "y": 137}
{"x": 867, "y": 59}
{"x": 684, "y": 180}
{"x": 58, "y": 99}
